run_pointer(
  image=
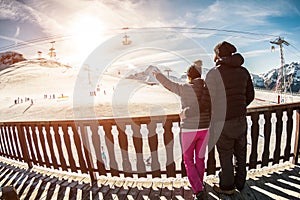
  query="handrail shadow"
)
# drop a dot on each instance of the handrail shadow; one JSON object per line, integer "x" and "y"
{"x": 275, "y": 184}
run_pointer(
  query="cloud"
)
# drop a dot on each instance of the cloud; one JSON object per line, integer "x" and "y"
{"x": 10, "y": 38}
{"x": 247, "y": 13}
{"x": 16, "y": 11}
{"x": 17, "y": 32}
{"x": 256, "y": 52}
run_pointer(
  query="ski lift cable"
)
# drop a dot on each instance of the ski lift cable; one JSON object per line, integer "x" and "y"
{"x": 203, "y": 28}
{"x": 54, "y": 37}
{"x": 296, "y": 54}
{"x": 33, "y": 41}
{"x": 40, "y": 43}
{"x": 42, "y": 39}
{"x": 127, "y": 28}
{"x": 268, "y": 36}
{"x": 236, "y": 36}
{"x": 294, "y": 47}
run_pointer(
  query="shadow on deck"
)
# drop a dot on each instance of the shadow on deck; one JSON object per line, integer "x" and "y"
{"x": 279, "y": 182}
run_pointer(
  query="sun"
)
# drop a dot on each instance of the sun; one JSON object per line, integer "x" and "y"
{"x": 86, "y": 31}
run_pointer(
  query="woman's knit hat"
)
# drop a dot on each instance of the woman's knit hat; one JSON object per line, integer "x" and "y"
{"x": 194, "y": 72}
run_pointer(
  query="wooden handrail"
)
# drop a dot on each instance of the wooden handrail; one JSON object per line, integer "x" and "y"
{"x": 75, "y": 145}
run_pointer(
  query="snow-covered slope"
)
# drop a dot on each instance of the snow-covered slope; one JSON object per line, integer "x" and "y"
{"x": 292, "y": 77}
{"x": 42, "y": 89}
{"x": 35, "y": 84}
{"x": 257, "y": 80}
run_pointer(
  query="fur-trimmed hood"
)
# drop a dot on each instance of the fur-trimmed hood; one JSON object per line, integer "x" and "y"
{"x": 236, "y": 60}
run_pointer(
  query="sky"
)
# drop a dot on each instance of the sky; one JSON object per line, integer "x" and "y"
{"x": 173, "y": 33}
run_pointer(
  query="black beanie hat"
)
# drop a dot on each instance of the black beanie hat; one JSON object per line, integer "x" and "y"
{"x": 224, "y": 49}
{"x": 194, "y": 72}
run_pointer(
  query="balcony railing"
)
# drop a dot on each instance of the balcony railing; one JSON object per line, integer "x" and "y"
{"x": 141, "y": 146}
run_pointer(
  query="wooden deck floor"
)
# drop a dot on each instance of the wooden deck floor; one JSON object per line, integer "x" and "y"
{"x": 280, "y": 182}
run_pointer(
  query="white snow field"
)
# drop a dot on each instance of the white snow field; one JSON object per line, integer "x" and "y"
{"x": 36, "y": 90}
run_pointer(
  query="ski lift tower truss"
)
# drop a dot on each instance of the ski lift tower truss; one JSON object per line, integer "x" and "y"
{"x": 281, "y": 84}
{"x": 126, "y": 40}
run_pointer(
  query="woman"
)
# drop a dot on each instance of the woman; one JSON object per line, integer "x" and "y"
{"x": 194, "y": 128}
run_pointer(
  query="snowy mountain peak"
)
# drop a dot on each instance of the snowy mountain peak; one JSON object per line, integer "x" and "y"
{"x": 9, "y": 58}
{"x": 12, "y": 59}
{"x": 291, "y": 73}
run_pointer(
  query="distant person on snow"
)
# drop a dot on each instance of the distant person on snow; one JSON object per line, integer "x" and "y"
{"x": 194, "y": 129}
{"x": 231, "y": 90}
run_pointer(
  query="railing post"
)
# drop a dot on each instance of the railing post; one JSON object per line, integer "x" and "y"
{"x": 67, "y": 142}
{"x": 87, "y": 152}
{"x": 5, "y": 142}
{"x": 182, "y": 165}
{"x": 153, "y": 144}
{"x": 123, "y": 142}
{"x": 279, "y": 129}
{"x": 254, "y": 140}
{"x": 59, "y": 146}
{"x": 78, "y": 145}
{"x": 169, "y": 147}
{"x": 16, "y": 142}
{"x": 2, "y": 150}
{"x": 24, "y": 149}
{"x": 297, "y": 138}
{"x": 98, "y": 150}
{"x": 138, "y": 146}
{"x": 43, "y": 144}
{"x": 267, "y": 137}
{"x": 289, "y": 129}
{"x": 109, "y": 140}
{"x": 10, "y": 137}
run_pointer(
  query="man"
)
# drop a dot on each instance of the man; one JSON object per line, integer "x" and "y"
{"x": 231, "y": 90}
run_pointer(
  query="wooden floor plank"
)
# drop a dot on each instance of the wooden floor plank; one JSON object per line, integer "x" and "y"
{"x": 41, "y": 189}
{"x": 114, "y": 189}
{"x": 124, "y": 190}
{"x": 12, "y": 176}
{"x": 50, "y": 192}
{"x": 167, "y": 189}
{"x": 178, "y": 192}
{"x": 144, "y": 188}
{"x": 265, "y": 182}
{"x": 30, "y": 178}
{"x": 4, "y": 176}
{"x": 133, "y": 191}
{"x": 22, "y": 180}
{"x": 187, "y": 190}
{"x": 104, "y": 187}
{"x": 276, "y": 182}
{"x": 155, "y": 191}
